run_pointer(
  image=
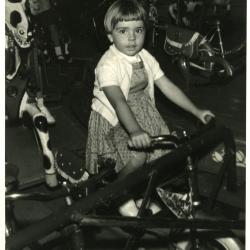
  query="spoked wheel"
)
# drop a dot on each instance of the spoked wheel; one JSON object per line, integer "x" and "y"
{"x": 196, "y": 70}
{"x": 199, "y": 68}
{"x": 231, "y": 47}
{"x": 208, "y": 65}
{"x": 213, "y": 64}
{"x": 199, "y": 63}
{"x": 237, "y": 57}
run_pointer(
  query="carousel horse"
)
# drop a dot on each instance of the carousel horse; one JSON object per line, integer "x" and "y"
{"x": 23, "y": 85}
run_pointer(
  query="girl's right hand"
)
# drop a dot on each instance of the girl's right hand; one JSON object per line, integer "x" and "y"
{"x": 139, "y": 140}
{"x": 205, "y": 115}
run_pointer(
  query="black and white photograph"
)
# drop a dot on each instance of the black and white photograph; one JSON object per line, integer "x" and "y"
{"x": 152, "y": 157}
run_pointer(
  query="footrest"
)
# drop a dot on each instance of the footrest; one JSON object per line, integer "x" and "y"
{"x": 70, "y": 166}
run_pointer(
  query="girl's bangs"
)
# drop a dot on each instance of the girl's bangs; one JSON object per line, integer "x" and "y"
{"x": 128, "y": 17}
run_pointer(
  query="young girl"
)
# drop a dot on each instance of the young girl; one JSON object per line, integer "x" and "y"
{"x": 124, "y": 116}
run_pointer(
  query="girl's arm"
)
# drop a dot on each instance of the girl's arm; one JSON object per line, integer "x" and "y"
{"x": 173, "y": 93}
{"x": 139, "y": 138}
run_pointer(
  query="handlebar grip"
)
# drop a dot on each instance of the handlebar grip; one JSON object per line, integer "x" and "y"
{"x": 209, "y": 119}
{"x": 165, "y": 140}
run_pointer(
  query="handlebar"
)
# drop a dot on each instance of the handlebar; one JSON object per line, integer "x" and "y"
{"x": 39, "y": 196}
{"x": 169, "y": 141}
{"x": 172, "y": 142}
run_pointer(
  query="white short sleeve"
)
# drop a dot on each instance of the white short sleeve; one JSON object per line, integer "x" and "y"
{"x": 106, "y": 76}
{"x": 157, "y": 71}
{"x": 153, "y": 64}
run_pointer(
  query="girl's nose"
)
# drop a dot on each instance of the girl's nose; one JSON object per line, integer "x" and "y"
{"x": 131, "y": 36}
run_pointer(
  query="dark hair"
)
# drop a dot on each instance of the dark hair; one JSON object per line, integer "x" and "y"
{"x": 124, "y": 10}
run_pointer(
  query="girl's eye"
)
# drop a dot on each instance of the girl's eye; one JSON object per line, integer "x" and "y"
{"x": 122, "y": 31}
{"x": 140, "y": 30}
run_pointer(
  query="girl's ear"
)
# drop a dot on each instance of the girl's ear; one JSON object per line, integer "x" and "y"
{"x": 110, "y": 37}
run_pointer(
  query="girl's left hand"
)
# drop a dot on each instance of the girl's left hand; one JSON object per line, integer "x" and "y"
{"x": 203, "y": 115}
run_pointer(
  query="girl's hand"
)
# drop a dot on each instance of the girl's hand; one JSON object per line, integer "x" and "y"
{"x": 204, "y": 115}
{"x": 139, "y": 140}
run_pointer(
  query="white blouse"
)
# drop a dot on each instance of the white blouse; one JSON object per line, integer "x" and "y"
{"x": 115, "y": 68}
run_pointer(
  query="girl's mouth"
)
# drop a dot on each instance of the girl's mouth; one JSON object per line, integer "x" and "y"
{"x": 131, "y": 47}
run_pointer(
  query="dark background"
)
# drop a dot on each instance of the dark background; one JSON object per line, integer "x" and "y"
{"x": 73, "y": 83}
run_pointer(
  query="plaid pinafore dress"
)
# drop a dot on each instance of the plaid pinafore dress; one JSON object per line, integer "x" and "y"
{"x": 105, "y": 141}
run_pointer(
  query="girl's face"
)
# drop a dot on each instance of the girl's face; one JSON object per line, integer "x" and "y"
{"x": 128, "y": 37}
